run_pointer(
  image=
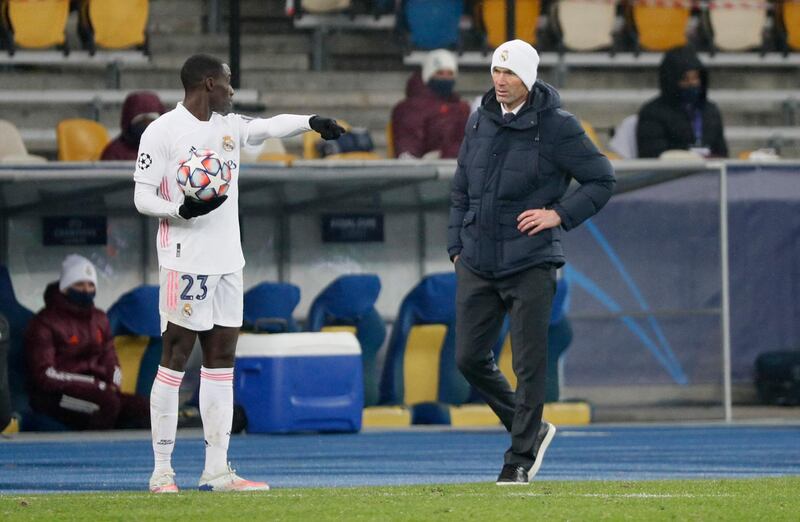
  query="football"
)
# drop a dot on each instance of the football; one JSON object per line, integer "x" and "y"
{"x": 204, "y": 175}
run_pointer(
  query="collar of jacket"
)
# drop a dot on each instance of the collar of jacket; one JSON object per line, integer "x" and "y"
{"x": 541, "y": 98}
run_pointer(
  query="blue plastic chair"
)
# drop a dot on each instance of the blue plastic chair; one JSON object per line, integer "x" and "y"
{"x": 268, "y": 308}
{"x": 432, "y": 24}
{"x": 349, "y": 301}
{"x": 18, "y": 318}
{"x": 136, "y": 327}
{"x": 420, "y": 369}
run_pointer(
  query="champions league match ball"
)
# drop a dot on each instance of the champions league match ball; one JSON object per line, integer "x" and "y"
{"x": 204, "y": 175}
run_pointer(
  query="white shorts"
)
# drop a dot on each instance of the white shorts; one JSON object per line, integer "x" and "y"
{"x": 197, "y": 302}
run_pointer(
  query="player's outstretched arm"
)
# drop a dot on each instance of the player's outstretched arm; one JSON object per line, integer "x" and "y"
{"x": 285, "y": 125}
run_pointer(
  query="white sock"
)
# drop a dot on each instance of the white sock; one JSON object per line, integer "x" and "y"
{"x": 216, "y": 410}
{"x": 164, "y": 416}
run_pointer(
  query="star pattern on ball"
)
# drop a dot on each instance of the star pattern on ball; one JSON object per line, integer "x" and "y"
{"x": 216, "y": 181}
{"x": 195, "y": 162}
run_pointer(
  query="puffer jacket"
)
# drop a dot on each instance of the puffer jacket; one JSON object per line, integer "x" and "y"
{"x": 69, "y": 348}
{"x": 425, "y": 122}
{"x": 126, "y": 145}
{"x": 664, "y": 123}
{"x": 506, "y": 168}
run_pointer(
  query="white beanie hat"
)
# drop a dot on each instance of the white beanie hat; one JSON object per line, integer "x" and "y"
{"x": 75, "y": 269}
{"x": 518, "y": 57}
{"x": 438, "y": 60}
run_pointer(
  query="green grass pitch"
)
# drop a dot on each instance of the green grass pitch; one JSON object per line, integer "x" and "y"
{"x": 771, "y": 499}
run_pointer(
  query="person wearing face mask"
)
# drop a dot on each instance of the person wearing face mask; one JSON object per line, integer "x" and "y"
{"x": 681, "y": 117}
{"x": 73, "y": 370}
{"x": 430, "y": 121}
{"x": 139, "y": 110}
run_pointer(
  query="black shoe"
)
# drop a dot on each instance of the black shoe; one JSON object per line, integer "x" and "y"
{"x": 512, "y": 475}
{"x": 546, "y": 433}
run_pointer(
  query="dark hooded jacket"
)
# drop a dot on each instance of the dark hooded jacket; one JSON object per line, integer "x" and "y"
{"x": 126, "y": 145}
{"x": 425, "y": 122}
{"x": 68, "y": 348}
{"x": 528, "y": 163}
{"x": 665, "y": 122}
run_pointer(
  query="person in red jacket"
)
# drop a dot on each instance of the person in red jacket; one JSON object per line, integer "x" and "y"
{"x": 73, "y": 370}
{"x": 430, "y": 121}
{"x": 139, "y": 110}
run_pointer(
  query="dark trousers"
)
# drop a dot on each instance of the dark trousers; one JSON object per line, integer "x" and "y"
{"x": 481, "y": 305}
{"x": 114, "y": 409}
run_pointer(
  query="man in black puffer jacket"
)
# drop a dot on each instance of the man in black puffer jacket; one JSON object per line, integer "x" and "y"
{"x": 508, "y": 207}
{"x": 681, "y": 117}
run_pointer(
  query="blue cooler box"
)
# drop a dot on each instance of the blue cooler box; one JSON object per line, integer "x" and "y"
{"x": 299, "y": 382}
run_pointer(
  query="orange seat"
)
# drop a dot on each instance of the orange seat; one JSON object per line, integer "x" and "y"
{"x": 37, "y": 24}
{"x": 114, "y": 24}
{"x": 390, "y": 152}
{"x": 311, "y": 138}
{"x": 791, "y": 23}
{"x": 80, "y": 140}
{"x": 660, "y": 28}
{"x": 281, "y": 157}
{"x": 356, "y": 155}
{"x": 526, "y": 18}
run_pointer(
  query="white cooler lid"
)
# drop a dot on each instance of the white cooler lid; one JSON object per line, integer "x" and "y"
{"x": 297, "y": 344}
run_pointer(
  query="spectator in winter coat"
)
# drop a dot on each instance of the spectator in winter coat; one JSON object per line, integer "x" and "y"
{"x": 73, "y": 371}
{"x": 430, "y": 121}
{"x": 681, "y": 117}
{"x": 139, "y": 110}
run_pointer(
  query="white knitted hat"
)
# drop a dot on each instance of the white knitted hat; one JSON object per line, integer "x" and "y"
{"x": 438, "y": 60}
{"x": 75, "y": 269}
{"x": 520, "y": 58}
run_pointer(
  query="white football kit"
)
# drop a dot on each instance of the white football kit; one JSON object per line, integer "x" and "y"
{"x": 200, "y": 259}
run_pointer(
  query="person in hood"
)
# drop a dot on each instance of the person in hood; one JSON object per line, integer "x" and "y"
{"x": 139, "y": 110}
{"x": 681, "y": 117}
{"x": 508, "y": 210}
{"x": 73, "y": 370}
{"x": 430, "y": 121}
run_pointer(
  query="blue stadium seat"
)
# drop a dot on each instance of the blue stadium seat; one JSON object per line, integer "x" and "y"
{"x": 18, "y": 318}
{"x": 420, "y": 369}
{"x": 348, "y": 304}
{"x": 268, "y": 308}
{"x": 136, "y": 327}
{"x": 432, "y": 24}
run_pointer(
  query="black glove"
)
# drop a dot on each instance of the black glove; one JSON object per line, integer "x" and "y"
{"x": 192, "y": 208}
{"x": 328, "y": 128}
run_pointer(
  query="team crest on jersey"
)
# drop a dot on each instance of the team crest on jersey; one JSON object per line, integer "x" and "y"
{"x": 187, "y": 310}
{"x": 228, "y": 144}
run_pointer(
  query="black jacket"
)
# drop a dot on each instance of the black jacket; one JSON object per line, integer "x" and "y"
{"x": 664, "y": 123}
{"x": 504, "y": 169}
